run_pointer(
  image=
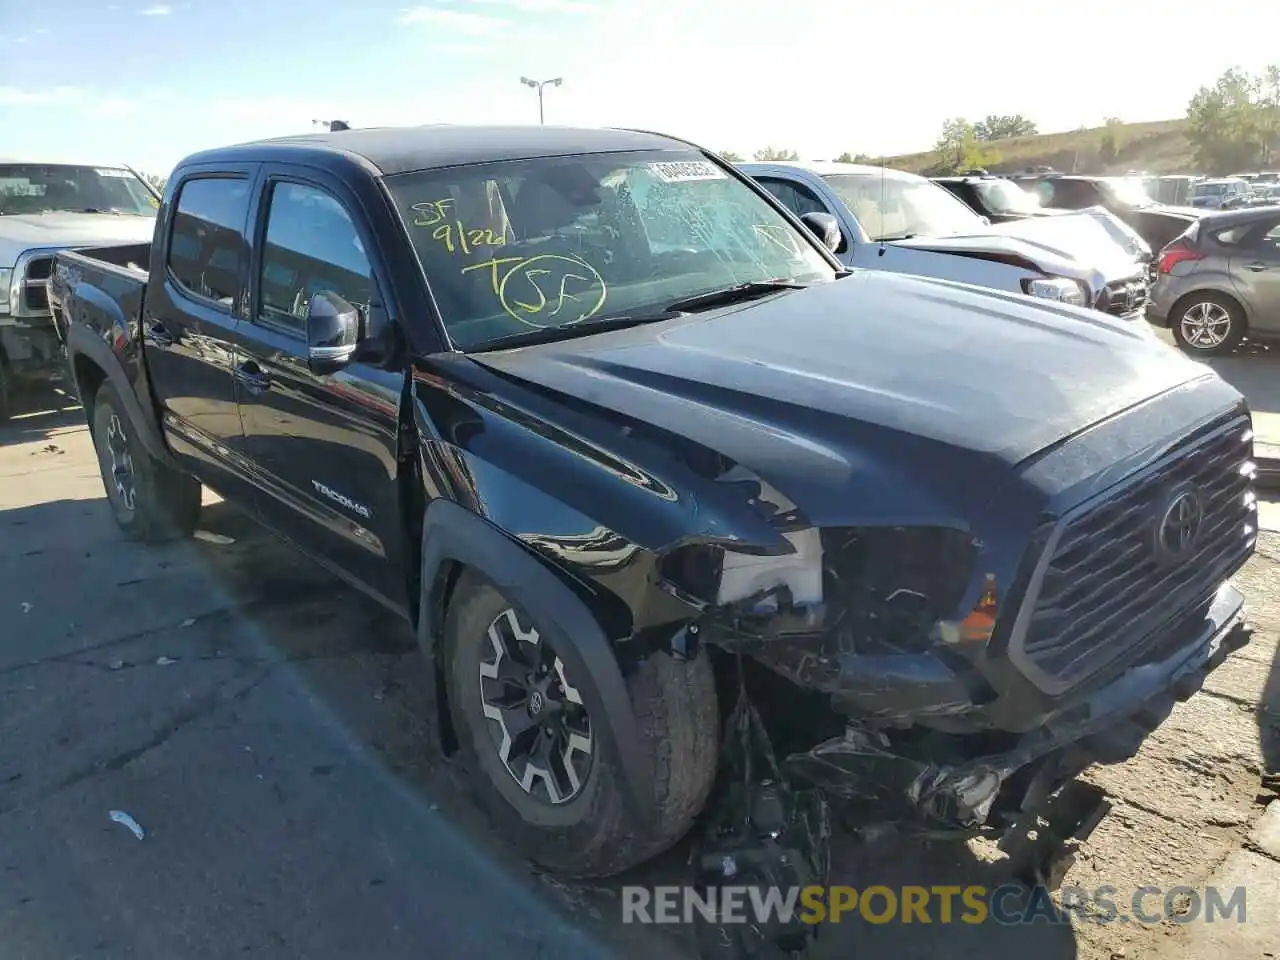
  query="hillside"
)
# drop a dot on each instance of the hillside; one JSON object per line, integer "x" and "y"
{"x": 1158, "y": 147}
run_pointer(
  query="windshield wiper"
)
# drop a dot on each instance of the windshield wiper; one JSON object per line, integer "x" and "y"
{"x": 889, "y": 238}
{"x": 567, "y": 331}
{"x": 740, "y": 291}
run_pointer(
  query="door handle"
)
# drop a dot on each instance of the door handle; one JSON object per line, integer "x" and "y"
{"x": 1257, "y": 266}
{"x": 249, "y": 375}
{"x": 157, "y": 334}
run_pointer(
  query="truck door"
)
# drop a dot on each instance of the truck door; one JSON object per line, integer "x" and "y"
{"x": 195, "y": 293}
{"x": 323, "y": 447}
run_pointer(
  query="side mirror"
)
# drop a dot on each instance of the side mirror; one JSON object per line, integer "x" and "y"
{"x": 333, "y": 332}
{"x": 826, "y": 228}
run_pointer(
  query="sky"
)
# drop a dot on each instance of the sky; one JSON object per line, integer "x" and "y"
{"x": 147, "y": 83}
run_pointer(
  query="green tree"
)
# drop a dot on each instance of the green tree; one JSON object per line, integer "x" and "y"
{"x": 960, "y": 148}
{"x": 1233, "y": 125}
{"x": 156, "y": 182}
{"x": 731, "y": 156}
{"x": 775, "y": 153}
{"x": 995, "y": 127}
{"x": 845, "y": 157}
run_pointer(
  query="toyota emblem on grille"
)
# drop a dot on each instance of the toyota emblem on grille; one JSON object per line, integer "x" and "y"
{"x": 1179, "y": 525}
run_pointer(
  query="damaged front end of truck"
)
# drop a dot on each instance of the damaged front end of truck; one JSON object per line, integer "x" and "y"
{"x": 899, "y": 697}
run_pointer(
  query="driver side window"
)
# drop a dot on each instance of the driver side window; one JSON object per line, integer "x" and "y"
{"x": 796, "y": 197}
{"x": 311, "y": 246}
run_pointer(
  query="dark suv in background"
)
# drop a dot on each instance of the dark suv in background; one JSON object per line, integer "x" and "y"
{"x": 1126, "y": 197}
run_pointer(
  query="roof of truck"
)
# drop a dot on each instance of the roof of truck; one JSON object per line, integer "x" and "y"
{"x": 392, "y": 150}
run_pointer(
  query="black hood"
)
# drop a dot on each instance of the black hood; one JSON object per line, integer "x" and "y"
{"x": 802, "y": 386}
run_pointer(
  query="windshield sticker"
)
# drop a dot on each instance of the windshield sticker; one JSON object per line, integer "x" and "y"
{"x": 678, "y": 171}
{"x": 114, "y": 172}
{"x": 548, "y": 290}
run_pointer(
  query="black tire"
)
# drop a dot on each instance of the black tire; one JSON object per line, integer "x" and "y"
{"x": 590, "y": 833}
{"x": 1209, "y": 312}
{"x": 151, "y": 501}
{"x": 4, "y": 390}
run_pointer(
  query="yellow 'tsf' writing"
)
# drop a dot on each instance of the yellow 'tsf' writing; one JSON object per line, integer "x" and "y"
{"x": 455, "y": 235}
{"x": 544, "y": 286}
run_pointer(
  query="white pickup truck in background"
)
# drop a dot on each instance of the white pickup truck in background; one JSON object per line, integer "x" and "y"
{"x": 891, "y": 220}
{"x": 46, "y": 207}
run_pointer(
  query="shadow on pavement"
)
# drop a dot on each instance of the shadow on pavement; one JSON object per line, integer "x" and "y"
{"x": 33, "y": 416}
{"x": 181, "y": 670}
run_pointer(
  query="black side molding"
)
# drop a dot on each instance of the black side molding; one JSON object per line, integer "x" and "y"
{"x": 81, "y": 342}
{"x": 452, "y": 533}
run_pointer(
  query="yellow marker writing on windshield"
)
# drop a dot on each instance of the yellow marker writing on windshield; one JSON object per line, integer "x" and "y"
{"x": 522, "y": 285}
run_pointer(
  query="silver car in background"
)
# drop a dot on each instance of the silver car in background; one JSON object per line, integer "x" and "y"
{"x": 1220, "y": 281}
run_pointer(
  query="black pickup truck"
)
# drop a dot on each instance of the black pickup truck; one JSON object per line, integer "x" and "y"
{"x": 608, "y": 424}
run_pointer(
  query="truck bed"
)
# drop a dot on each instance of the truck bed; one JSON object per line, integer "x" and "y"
{"x": 98, "y": 287}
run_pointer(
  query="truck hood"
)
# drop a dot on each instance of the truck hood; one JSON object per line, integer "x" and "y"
{"x": 1075, "y": 245}
{"x": 26, "y": 231}
{"x": 805, "y": 386}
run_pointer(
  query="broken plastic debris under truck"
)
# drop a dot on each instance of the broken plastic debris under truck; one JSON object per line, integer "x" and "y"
{"x": 932, "y": 744}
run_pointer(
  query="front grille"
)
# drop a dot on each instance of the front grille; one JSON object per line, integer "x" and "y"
{"x": 1107, "y": 587}
{"x": 1124, "y": 297}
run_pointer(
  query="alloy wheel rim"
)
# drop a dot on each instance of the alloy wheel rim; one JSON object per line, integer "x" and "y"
{"x": 536, "y": 717}
{"x": 122, "y": 475}
{"x": 1206, "y": 325}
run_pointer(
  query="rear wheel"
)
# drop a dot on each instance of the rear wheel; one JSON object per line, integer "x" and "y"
{"x": 151, "y": 501}
{"x": 1207, "y": 325}
{"x": 535, "y": 758}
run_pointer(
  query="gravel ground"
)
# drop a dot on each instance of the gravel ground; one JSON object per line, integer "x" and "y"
{"x": 265, "y": 727}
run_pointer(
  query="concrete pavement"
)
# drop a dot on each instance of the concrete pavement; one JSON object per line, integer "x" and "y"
{"x": 266, "y": 728}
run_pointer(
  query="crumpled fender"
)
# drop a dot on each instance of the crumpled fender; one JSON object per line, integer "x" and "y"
{"x": 452, "y": 533}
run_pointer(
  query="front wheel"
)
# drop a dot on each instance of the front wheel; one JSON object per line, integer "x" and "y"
{"x": 151, "y": 501}
{"x": 1207, "y": 325}
{"x": 534, "y": 755}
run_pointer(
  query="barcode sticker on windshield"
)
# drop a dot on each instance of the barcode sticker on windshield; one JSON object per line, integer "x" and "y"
{"x": 114, "y": 172}
{"x": 676, "y": 171}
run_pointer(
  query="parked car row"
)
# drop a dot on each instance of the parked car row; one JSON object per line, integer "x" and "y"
{"x": 45, "y": 207}
{"x": 890, "y": 220}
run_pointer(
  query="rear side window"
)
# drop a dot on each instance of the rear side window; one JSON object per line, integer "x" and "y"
{"x": 206, "y": 246}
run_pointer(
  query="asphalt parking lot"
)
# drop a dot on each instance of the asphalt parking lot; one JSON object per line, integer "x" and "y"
{"x": 265, "y": 727}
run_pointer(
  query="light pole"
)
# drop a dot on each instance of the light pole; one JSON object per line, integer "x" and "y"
{"x": 538, "y": 85}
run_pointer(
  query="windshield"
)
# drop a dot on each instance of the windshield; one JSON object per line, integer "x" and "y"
{"x": 1127, "y": 191}
{"x": 525, "y": 245}
{"x": 64, "y": 188}
{"x": 1001, "y": 196}
{"x": 893, "y": 206}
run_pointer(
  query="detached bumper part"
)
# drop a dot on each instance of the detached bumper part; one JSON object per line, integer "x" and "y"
{"x": 901, "y": 781}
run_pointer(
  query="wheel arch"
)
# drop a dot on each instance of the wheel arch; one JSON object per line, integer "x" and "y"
{"x": 454, "y": 540}
{"x": 92, "y": 364}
